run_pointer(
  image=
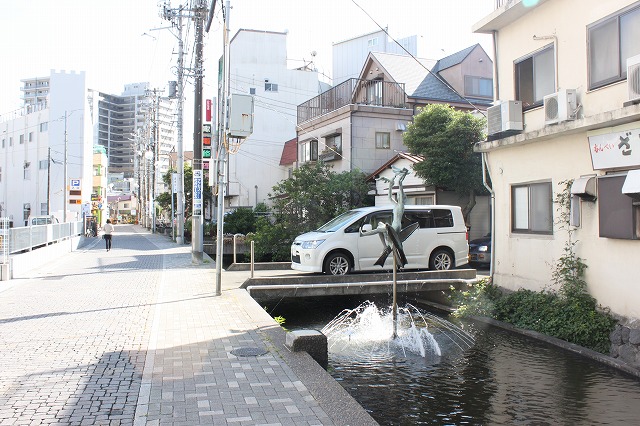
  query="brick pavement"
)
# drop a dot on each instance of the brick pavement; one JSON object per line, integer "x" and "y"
{"x": 137, "y": 336}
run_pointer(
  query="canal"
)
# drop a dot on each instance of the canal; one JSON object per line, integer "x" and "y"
{"x": 502, "y": 378}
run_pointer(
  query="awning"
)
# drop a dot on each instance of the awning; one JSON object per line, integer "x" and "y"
{"x": 631, "y": 186}
{"x": 584, "y": 187}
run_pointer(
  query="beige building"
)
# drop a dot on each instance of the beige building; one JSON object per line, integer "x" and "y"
{"x": 567, "y": 66}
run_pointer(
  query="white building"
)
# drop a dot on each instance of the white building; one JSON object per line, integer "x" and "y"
{"x": 349, "y": 55}
{"x": 51, "y": 132}
{"x": 258, "y": 66}
{"x": 574, "y": 115}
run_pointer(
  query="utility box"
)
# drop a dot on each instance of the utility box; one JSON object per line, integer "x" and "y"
{"x": 240, "y": 116}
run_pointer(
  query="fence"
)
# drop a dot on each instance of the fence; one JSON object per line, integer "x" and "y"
{"x": 29, "y": 237}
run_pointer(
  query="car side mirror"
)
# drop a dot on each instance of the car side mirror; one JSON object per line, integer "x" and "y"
{"x": 366, "y": 228}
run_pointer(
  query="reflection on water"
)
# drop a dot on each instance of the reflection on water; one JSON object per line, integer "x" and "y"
{"x": 502, "y": 379}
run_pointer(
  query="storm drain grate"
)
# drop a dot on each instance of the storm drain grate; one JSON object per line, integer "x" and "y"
{"x": 248, "y": 352}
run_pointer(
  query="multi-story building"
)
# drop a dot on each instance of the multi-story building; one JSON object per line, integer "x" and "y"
{"x": 258, "y": 66}
{"x": 46, "y": 139}
{"x": 569, "y": 81}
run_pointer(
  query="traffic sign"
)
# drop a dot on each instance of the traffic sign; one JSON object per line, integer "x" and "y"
{"x": 206, "y": 153}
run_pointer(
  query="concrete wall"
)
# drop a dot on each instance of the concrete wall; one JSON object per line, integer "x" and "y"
{"x": 22, "y": 264}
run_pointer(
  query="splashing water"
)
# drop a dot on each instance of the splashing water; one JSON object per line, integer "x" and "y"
{"x": 368, "y": 328}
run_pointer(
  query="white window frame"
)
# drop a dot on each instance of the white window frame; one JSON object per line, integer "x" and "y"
{"x": 309, "y": 151}
{"x": 473, "y": 86}
{"x": 530, "y": 215}
{"x": 270, "y": 87}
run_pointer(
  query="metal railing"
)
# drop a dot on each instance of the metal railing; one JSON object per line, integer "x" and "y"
{"x": 29, "y": 237}
{"x": 353, "y": 91}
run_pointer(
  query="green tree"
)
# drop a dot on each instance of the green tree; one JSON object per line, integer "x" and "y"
{"x": 164, "y": 199}
{"x": 445, "y": 137}
{"x": 241, "y": 221}
{"x": 311, "y": 197}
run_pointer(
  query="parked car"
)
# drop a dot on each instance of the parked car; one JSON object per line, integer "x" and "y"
{"x": 338, "y": 248}
{"x": 480, "y": 251}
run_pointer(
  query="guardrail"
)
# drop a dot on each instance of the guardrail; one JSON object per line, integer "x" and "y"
{"x": 29, "y": 237}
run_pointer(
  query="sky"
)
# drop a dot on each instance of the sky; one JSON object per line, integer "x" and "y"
{"x": 117, "y": 42}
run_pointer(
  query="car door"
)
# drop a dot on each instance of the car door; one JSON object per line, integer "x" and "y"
{"x": 370, "y": 247}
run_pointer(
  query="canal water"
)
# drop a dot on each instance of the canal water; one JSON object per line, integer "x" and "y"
{"x": 501, "y": 379}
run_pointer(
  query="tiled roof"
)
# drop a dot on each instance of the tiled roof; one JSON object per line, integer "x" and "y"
{"x": 414, "y": 158}
{"x": 433, "y": 89}
{"x": 289, "y": 152}
{"x": 405, "y": 69}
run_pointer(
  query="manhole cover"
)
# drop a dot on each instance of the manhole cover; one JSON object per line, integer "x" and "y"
{"x": 248, "y": 352}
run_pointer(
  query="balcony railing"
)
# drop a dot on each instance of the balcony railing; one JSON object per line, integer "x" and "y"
{"x": 353, "y": 91}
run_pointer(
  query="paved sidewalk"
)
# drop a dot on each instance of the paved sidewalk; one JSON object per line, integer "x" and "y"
{"x": 137, "y": 336}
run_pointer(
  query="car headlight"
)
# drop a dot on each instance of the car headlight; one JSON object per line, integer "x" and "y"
{"x": 311, "y": 244}
{"x": 483, "y": 248}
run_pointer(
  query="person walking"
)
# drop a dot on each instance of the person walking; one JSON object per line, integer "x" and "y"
{"x": 108, "y": 230}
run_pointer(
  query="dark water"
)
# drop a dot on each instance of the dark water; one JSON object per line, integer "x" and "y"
{"x": 502, "y": 379}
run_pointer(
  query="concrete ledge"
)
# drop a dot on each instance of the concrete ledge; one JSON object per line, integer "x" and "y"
{"x": 312, "y": 342}
{"x": 260, "y": 266}
{"x": 22, "y": 264}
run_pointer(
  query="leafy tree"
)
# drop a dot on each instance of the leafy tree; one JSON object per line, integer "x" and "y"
{"x": 445, "y": 137}
{"x": 241, "y": 221}
{"x": 311, "y": 197}
{"x": 164, "y": 199}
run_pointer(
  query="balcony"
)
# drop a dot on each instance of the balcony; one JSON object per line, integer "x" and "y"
{"x": 505, "y": 13}
{"x": 353, "y": 91}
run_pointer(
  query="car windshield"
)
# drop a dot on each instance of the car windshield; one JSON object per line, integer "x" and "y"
{"x": 337, "y": 222}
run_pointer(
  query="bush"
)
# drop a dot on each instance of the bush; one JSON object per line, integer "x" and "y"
{"x": 241, "y": 221}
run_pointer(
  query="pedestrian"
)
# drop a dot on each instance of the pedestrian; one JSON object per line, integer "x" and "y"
{"x": 108, "y": 229}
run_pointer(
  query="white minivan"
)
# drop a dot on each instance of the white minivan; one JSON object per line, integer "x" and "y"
{"x": 337, "y": 247}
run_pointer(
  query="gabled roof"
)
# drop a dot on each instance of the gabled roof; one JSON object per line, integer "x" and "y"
{"x": 413, "y": 158}
{"x": 404, "y": 69}
{"x": 432, "y": 88}
{"x": 289, "y": 152}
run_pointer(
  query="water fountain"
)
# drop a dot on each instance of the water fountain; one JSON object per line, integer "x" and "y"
{"x": 368, "y": 329}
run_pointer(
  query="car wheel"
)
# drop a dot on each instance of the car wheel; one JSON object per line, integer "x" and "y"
{"x": 441, "y": 260}
{"x": 337, "y": 264}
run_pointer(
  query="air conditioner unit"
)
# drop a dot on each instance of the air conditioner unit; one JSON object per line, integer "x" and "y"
{"x": 560, "y": 106}
{"x": 505, "y": 118}
{"x": 633, "y": 78}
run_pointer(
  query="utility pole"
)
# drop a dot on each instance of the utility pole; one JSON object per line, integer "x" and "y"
{"x": 198, "y": 181}
{"x": 221, "y": 163}
{"x": 66, "y": 179}
{"x": 175, "y": 16}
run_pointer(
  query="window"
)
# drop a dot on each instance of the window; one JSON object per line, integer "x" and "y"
{"x": 372, "y": 42}
{"x": 44, "y": 126}
{"x": 27, "y": 171}
{"x": 532, "y": 208}
{"x": 611, "y": 42}
{"x": 270, "y": 87}
{"x": 30, "y": 136}
{"x": 383, "y": 140}
{"x": 43, "y": 164}
{"x": 252, "y": 90}
{"x": 535, "y": 77}
{"x": 10, "y": 140}
{"x": 309, "y": 151}
{"x": 3, "y": 140}
{"x": 423, "y": 200}
{"x": 617, "y": 214}
{"x": 43, "y": 209}
{"x": 0, "y": 174}
{"x": 334, "y": 143}
{"x": 478, "y": 87}
{"x": 374, "y": 92}
{"x": 126, "y": 206}
{"x": 21, "y": 139}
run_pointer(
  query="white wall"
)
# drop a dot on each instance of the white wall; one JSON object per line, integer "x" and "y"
{"x": 257, "y": 56}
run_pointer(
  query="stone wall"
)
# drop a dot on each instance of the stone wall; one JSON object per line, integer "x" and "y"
{"x": 625, "y": 343}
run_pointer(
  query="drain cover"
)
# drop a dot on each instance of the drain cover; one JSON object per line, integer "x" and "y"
{"x": 248, "y": 352}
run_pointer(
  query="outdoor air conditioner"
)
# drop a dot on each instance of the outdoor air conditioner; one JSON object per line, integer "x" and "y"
{"x": 560, "y": 106}
{"x": 505, "y": 118}
{"x": 633, "y": 78}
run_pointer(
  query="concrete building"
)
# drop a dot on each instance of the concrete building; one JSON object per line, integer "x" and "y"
{"x": 570, "y": 70}
{"x": 50, "y": 133}
{"x": 258, "y": 66}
